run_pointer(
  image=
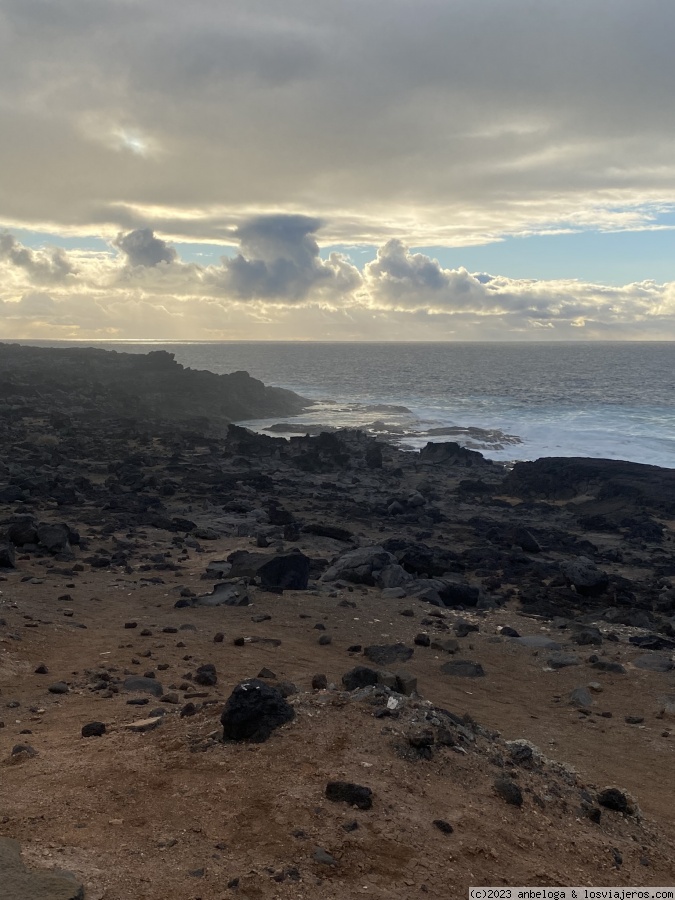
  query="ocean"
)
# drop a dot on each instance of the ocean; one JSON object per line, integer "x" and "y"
{"x": 511, "y": 401}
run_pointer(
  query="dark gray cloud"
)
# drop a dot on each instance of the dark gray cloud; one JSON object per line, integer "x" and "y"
{"x": 279, "y": 259}
{"x": 142, "y": 248}
{"x": 443, "y": 121}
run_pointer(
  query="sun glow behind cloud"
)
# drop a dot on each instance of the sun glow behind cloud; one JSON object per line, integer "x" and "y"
{"x": 389, "y": 124}
{"x": 278, "y": 286}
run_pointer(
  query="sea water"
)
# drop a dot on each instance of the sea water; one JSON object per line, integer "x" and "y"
{"x": 511, "y": 401}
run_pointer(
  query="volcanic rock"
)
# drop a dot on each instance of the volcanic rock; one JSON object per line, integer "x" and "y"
{"x": 463, "y": 668}
{"x": 21, "y": 883}
{"x": 347, "y": 792}
{"x": 253, "y": 711}
{"x": 385, "y": 654}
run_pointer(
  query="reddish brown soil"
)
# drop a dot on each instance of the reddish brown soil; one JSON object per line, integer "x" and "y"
{"x": 134, "y": 814}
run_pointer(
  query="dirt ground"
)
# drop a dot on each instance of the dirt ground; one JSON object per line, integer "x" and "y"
{"x": 175, "y": 814}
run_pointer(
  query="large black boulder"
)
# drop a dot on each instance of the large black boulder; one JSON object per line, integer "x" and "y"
{"x": 288, "y": 571}
{"x": 359, "y": 677}
{"x": 450, "y": 453}
{"x": 459, "y": 593}
{"x": 617, "y": 488}
{"x": 23, "y": 532}
{"x": 54, "y": 538}
{"x": 6, "y": 556}
{"x": 253, "y": 711}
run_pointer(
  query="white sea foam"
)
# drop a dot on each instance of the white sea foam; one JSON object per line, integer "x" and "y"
{"x": 600, "y": 400}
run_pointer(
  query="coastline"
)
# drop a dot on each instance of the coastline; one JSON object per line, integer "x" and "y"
{"x": 427, "y": 613}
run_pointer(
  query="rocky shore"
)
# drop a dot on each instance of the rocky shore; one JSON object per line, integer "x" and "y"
{"x": 234, "y": 665}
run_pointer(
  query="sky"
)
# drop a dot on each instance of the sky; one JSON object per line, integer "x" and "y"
{"x": 352, "y": 170}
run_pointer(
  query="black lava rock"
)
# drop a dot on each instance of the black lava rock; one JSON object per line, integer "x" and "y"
{"x": 347, "y": 792}
{"x": 93, "y": 729}
{"x": 358, "y": 677}
{"x": 613, "y": 798}
{"x": 206, "y": 675}
{"x": 253, "y": 711}
{"x": 386, "y": 654}
{"x": 508, "y": 790}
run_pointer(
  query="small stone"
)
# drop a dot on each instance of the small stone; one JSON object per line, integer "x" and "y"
{"x": 42, "y": 669}
{"x": 59, "y": 687}
{"x": 324, "y": 857}
{"x": 463, "y": 668}
{"x": 580, "y": 698}
{"x": 218, "y": 638}
{"x": 358, "y": 677}
{"x": 508, "y": 790}
{"x": 443, "y": 826}
{"x": 616, "y": 800}
{"x": 406, "y": 683}
{"x": 26, "y": 749}
{"x": 607, "y": 665}
{"x": 143, "y": 684}
{"x": 253, "y": 711}
{"x": 462, "y": 629}
{"x": 93, "y": 729}
{"x": 319, "y": 682}
{"x": 325, "y": 639}
{"x": 348, "y": 792}
{"x": 143, "y": 725}
{"x": 422, "y": 640}
{"x": 206, "y": 675}
{"x": 131, "y": 624}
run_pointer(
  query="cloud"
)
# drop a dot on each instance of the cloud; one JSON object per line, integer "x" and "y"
{"x": 279, "y": 260}
{"x": 279, "y": 287}
{"x": 49, "y": 266}
{"x": 444, "y": 122}
{"x": 406, "y": 280}
{"x": 142, "y": 248}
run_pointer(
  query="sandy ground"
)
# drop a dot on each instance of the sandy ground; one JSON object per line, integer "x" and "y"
{"x": 174, "y": 814}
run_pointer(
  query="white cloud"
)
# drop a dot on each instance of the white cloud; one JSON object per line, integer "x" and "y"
{"x": 49, "y": 266}
{"x": 278, "y": 287}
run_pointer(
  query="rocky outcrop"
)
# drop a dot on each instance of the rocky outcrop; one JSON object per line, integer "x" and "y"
{"x": 21, "y": 883}
{"x": 610, "y": 487}
{"x": 153, "y": 385}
